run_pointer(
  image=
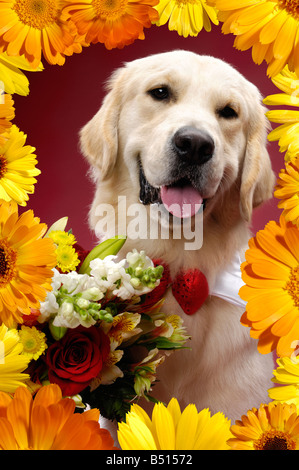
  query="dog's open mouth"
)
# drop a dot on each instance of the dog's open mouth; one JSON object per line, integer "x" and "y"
{"x": 180, "y": 198}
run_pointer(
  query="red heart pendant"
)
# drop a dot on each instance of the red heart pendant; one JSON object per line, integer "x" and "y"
{"x": 190, "y": 289}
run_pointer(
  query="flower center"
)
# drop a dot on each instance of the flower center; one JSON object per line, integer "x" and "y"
{"x": 290, "y": 6}
{"x": 292, "y": 285}
{"x": 30, "y": 345}
{"x": 275, "y": 440}
{"x": 8, "y": 258}
{"x": 109, "y": 9}
{"x": 37, "y": 13}
{"x": 3, "y": 165}
{"x": 182, "y": 3}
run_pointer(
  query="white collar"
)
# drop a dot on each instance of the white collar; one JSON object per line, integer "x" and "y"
{"x": 228, "y": 283}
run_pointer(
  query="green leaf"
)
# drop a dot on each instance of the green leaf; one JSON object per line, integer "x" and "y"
{"x": 113, "y": 400}
{"x": 106, "y": 248}
{"x": 164, "y": 343}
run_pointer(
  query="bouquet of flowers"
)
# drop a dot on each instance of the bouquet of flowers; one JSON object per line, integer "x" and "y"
{"x": 100, "y": 333}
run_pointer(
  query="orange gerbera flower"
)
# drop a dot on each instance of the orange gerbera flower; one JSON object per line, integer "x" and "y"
{"x": 115, "y": 23}
{"x": 26, "y": 262}
{"x": 272, "y": 427}
{"x": 271, "y": 274}
{"x": 33, "y": 27}
{"x": 48, "y": 422}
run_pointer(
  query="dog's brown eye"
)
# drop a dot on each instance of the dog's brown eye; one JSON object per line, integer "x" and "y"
{"x": 227, "y": 112}
{"x": 161, "y": 93}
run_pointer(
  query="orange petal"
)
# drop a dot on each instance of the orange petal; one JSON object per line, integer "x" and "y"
{"x": 48, "y": 395}
{"x": 18, "y": 413}
{"x": 7, "y": 438}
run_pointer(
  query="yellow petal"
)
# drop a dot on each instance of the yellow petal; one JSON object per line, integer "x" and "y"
{"x": 271, "y": 30}
{"x": 186, "y": 429}
{"x": 289, "y": 392}
{"x": 284, "y": 41}
{"x": 232, "y": 4}
{"x": 136, "y": 409}
{"x": 134, "y": 434}
{"x": 164, "y": 425}
{"x": 175, "y": 411}
{"x": 255, "y": 13}
{"x": 282, "y": 99}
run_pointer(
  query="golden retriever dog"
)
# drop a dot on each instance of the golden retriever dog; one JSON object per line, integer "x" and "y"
{"x": 182, "y": 129}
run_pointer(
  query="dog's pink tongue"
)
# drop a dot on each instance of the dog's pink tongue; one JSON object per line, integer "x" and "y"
{"x": 181, "y": 202}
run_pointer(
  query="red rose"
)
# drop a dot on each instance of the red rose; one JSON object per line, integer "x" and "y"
{"x": 77, "y": 358}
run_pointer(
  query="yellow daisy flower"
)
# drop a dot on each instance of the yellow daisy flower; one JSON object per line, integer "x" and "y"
{"x": 48, "y": 422}
{"x": 287, "y": 190}
{"x": 67, "y": 258}
{"x": 12, "y": 361}
{"x": 287, "y": 133}
{"x": 286, "y": 374}
{"x": 271, "y": 275}
{"x": 33, "y": 27}
{"x": 171, "y": 429}
{"x": 60, "y": 237}
{"x": 26, "y": 263}
{"x": 269, "y": 27}
{"x": 17, "y": 168}
{"x": 33, "y": 341}
{"x": 7, "y": 113}
{"x": 12, "y": 77}
{"x": 187, "y": 17}
{"x": 271, "y": 427}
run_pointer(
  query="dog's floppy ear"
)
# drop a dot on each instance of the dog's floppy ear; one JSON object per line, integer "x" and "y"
{"x": 99, "y": 137}
{"x": 257, "y": 179}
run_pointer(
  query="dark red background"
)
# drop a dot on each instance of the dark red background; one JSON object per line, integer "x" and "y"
{"x": 63, "y": 99}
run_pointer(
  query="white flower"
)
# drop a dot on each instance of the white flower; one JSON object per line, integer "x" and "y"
{"x": 93, "y": 294}
{"x": 65, "y": 314}
{"x": 70, "y": 322}
{"x": 75, "y": 283}
{"x": 67, "y": 317}
{"x": 125, "y": 291}
{"x": 111, "y": 275}
{"x": 138, "y": 259}
{"x": 66, "y": 310}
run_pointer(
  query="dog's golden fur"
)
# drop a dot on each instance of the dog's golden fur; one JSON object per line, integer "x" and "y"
{"x": 223, "y": 370}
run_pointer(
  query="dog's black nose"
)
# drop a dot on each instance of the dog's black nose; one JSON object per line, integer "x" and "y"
{"x": 193, "y": 145}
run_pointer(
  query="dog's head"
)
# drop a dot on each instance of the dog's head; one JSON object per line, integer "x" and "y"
{"x": 188, "y": 128}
